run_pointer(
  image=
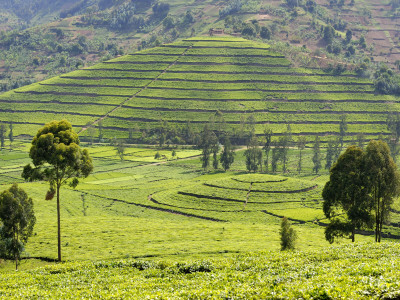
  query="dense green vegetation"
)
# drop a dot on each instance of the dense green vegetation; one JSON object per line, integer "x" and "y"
{"x": 231, "y": 83}
{"x": 151, "y": 219}
{"x": 361, "y": 271}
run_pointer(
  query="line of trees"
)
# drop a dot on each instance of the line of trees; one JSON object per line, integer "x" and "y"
{"x": 272, "y": 152}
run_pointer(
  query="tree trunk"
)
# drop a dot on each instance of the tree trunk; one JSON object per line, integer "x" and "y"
{"x": 353, "y": 233}
{"x": 300, "y": 163}
{"x": 377, "y": 218}
{"x": 16, "y": 262}
{"x": 58, "y": 223}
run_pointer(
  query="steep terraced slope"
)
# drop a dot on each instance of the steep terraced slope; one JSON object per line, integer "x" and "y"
{"x": 193, "y": 79}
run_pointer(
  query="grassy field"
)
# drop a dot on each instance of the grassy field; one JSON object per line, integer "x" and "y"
{"x": 140, "y": 207}
{"x": 191, "y": 80}
{"x": 166, "y": 224}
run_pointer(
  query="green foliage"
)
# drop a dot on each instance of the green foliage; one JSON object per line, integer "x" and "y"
{"x": 11, "y": 134}
{"x": 387, "y": 82}
{"x": 57, "y": 158}
{"x": 370, "y": 271}
{"x": 265, "y": 33}
{"x": 347, "y": 191}
{"x": 342, "y": 128}
{"x": 301, "y": 144}
{"x": 18, "y": 219}
{"x": 329, "y": 34}
{"x": 253, "y": 155}
{"x": 267, "y": 146}
{"x": 349, "y": 36}
{"x": 233, "y": 7}
{"x": 288, "y": 235}
{"x": 239, "y": 76}
{"x": 316, "y": 155}
{"x": 383, "y": 180}
{"x": 329, "y": 154}
{"x": 120, "y": 147}
{"x": 160, "y": 10}
{"x": 228, "y": 155}
{"x": 3, "y": 133}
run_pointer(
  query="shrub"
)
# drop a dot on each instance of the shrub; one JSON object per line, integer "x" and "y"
{"x": 288, "y": 235}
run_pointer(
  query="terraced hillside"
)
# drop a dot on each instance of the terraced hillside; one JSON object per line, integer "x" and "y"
{"x": 193, "y": 79}
{"x": 246, "y": 197}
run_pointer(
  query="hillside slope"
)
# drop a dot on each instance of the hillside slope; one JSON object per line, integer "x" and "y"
{"x": 233, "y": 83}
{"x": 40, "y": 38}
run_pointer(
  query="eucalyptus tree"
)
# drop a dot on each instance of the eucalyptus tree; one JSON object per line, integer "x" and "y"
{"x": 58, "y": 159}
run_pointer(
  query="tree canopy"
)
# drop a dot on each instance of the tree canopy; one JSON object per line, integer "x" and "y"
{"x": 18, "y": 219}
{"x": 347, "y": 192}
{"x": 384, "y": 182}
{"x": 360, "y": 190}
{"x": 58, "y": 159}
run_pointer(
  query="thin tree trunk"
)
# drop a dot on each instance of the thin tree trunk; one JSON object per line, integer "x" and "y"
{"x": 376, "y": 217}
{"x": 353, "y": 233}
{"x": 300, "y": 163}
{"x": 58, "y": 222}
{"x": 15, "y": 242}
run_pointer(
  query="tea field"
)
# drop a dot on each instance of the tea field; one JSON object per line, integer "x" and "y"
{"x": 146, "y": 228}
{"x": 361, "y": 271}
{"x": 169, "y": 207}
{"x": 191, "y": 80}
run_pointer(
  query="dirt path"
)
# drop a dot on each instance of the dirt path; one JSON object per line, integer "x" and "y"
{"x": 137, "y": 93}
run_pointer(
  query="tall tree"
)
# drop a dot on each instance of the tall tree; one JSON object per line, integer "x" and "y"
{"x": 18, "y": 218}
{"x": 267, "y": 146}
{"x": 3, "y": 132}
{"x": 329, "y": 154}
{"x": 205, "y": 145}
{"x": 11, "y": 135}
{"x": 215, "y": 150}
{"x": 275, "y": 158}
{"x": 317, "y": 155}
{"x": 347, "y": 191}
{"x": 251, "y": 124}
{"x": 384, "y": 181}
{"x": 336, "y": 148}
{"x": 283, "y": 147}
{"x": 253, "y": 155}
{"x": 120, "y": 146}
{"x": 228, "y": 155}
{"x": 360, "y": 140}
{"x": 189, "y": 133}
{"x": 301, "y": 144}
{"x": 393, "y": 125}
{"x": 342, "y": 129}
{"x": 58, "y": 159}
{"x": 90, "y": 131}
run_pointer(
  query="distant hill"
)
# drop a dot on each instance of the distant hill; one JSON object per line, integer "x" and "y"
{"x": 42, "y": 39}
{"x": 234, "y": 84}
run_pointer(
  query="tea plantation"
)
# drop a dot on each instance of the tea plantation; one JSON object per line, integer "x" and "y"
{"x": 163, "y": 228}
{"x": 191, "y": 80}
